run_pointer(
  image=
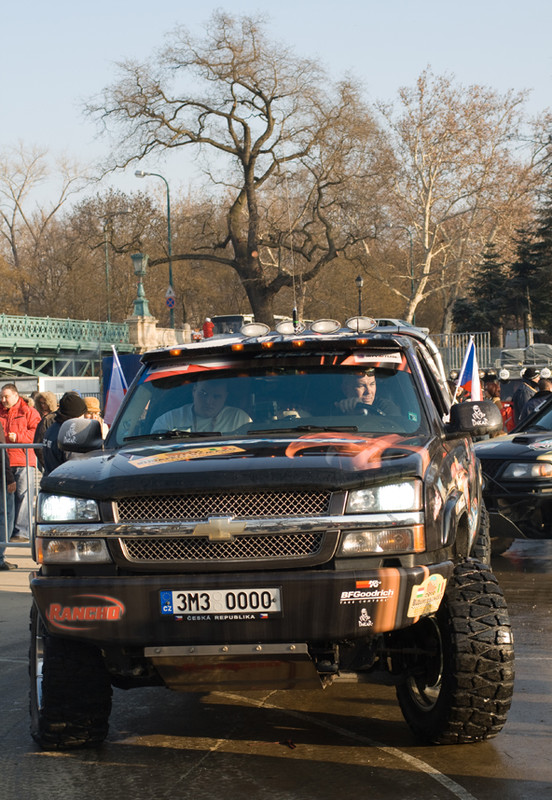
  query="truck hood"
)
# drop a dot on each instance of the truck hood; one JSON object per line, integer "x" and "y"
{"x": 522, "y": 446}
{"x": 311, "y": 461}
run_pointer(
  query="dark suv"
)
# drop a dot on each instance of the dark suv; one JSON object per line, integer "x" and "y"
{"x": 273, "y": 509}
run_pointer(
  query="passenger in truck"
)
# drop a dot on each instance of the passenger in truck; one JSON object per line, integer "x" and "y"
{"x": 207, "y": 412}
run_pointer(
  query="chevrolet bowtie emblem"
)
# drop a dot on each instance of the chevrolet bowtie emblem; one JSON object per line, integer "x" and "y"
{"x": 219, "y": 529}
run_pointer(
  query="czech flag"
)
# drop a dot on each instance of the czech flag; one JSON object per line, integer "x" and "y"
{"x": 469, "y": 374}
{"x": 117, "y": 389}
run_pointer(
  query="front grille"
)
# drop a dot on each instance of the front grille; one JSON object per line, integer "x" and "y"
{"x": 172, "y": 508}
{"x": 491, "y": 466}
{"x": 192, "y": 549}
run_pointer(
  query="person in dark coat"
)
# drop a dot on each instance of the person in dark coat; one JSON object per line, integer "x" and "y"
{"x": 46, "y": 404}
{"x": 71, "y": 406}
{"x": 525, "y": 391}
{"x": 536, "y": 401}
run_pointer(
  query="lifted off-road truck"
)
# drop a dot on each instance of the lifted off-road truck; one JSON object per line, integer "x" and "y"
{"x": 289, "y": 508}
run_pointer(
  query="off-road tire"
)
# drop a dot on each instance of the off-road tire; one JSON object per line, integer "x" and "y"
{"x": 481, "y": 549}
{"x": 460, "y": 677}
{"x": 70, "y": 695}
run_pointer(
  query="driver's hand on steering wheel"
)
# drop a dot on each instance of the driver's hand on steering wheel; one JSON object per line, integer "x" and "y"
{"x": 349, "y": 404}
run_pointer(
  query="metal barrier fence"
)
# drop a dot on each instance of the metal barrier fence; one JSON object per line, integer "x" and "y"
{"x": 453, "y": 348}
{"x": 33, "y": 479}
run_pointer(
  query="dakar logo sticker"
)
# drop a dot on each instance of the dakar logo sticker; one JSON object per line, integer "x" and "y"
{"x": 365, "y": 620}
{"x": 479, "y": 417}
{"x": 110, "y": 610}
{"x": 426, "y": 597}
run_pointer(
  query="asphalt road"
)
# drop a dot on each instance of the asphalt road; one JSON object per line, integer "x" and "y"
{"x": 346, "y": 742}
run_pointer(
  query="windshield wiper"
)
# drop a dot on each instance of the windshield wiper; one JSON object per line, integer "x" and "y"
{"x": 307, "y": 428}
{"x": 171, "y": 435}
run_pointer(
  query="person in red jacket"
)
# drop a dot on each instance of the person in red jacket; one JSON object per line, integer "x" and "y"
{"x": 19, "y": 421}
{"x": 208, "y": 328}
{"x": 6, "y": 504}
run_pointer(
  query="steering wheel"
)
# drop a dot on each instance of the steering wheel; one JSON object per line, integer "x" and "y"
{"x": 366, "y": 409}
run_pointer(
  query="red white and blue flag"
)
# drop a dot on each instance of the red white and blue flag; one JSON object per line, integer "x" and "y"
{"x": 117, "y": 389}
{"x": 469, "y": 374}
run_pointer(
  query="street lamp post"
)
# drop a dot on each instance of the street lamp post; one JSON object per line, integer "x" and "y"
{"x": 170, "y": 293}
{"x": 359, "y": 284}
{"x": 107, "y": 224}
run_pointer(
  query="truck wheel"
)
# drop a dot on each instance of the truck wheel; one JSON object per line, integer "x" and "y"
{"x": 70, "y": 695}
{"x": 481, "y": 549}
{"x": 460, "y": 677}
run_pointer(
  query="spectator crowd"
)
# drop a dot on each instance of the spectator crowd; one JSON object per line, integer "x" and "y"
{"x": 26, "y": 421}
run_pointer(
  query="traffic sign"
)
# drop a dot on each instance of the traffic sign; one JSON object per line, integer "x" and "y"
{"x": 170, "y": 292}
{"x": 170, "y": 301}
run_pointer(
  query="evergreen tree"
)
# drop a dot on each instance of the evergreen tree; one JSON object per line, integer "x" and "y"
{"x": 486, "y": 305}
{"x": 527, "y": 281}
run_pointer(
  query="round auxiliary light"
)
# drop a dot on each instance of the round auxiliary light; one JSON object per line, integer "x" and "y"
{"x": 253, "y": 329}
{"x": 358, "y": 324}
{"x": 545, "y": 372}
{"x": 288, "y": 326}
{"x": 325, "y": 326}
{"x": 504, "y": 374}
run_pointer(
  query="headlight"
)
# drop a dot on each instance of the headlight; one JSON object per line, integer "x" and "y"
{"x": 72, "y": 551}
{"x": 404, "y": 496}
{"x": 389, "y": 540}
{"x": 61, "y": 508}
{"x": 526, "y": 470}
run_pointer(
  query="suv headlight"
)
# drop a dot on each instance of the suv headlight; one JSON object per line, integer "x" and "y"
{"x": 525, "y": 470}
{"x": 403, "y": 496}
{"x": 409, "y": 539}
{"x": 72, "y": 551}
{"x": 62, "y": 508}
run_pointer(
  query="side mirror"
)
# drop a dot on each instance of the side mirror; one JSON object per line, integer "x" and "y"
{"x": 475, "y": 418}
{"x": 80, "y": 435}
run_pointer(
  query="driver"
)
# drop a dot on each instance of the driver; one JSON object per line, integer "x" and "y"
{"x": 208, "y": 412}
{"x": 360, "y": 391}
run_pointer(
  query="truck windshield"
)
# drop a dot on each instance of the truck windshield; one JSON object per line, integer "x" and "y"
{"x": 225, "y": 397}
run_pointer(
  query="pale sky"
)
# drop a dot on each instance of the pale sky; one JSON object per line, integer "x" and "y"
{"x": 56, "y": 54}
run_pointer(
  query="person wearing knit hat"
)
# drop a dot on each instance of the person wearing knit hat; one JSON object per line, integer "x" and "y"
{"x": 93, "y": 412}
{"x": 525, "y": 390}
{"x": 71, "y": 406}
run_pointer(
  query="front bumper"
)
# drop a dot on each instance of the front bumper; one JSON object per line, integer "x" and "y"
{"x": 316, "y": 606}
{"x": 520, "y": 511}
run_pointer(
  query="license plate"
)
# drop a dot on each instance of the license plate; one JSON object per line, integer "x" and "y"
{"x": 221, "y": 601}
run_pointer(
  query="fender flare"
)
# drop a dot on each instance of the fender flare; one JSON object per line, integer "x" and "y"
{"x": 455, "y": 506}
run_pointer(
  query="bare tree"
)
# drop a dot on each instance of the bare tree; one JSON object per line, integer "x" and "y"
{"x": 461, "y": 180}
{"x": 266, "y": 121}
{"x": 26, "y": 223}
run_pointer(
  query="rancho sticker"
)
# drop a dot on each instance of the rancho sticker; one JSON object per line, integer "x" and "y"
{"x": 104, "y": 609}
{"x": 426, "y": 597}
{"x": 185, "y": 455}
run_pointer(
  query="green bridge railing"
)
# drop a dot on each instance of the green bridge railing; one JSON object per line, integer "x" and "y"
{"x": 49, "y": 332}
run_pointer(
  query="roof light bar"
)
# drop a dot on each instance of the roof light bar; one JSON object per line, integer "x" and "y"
{"x": 288, "y": 326}
{"x": 360, "y": 324}
{"x": 325, "y": 326}
{"x": 254, "y": 329}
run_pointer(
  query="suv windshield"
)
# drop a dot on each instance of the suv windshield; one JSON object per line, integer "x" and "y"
{"x": 248, "y": 396}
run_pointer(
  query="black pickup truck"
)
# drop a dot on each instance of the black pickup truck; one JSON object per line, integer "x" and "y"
{"x": 285, "y": 509}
